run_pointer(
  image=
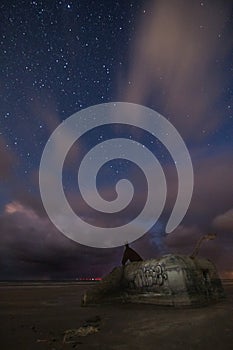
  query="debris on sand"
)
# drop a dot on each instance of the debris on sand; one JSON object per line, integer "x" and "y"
{"x": 70, "y": 335}
{"x": 90, "y": 326}
{"x": 42, "y": 340}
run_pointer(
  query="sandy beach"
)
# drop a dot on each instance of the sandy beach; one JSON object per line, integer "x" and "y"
{"x": 36, "y": 316}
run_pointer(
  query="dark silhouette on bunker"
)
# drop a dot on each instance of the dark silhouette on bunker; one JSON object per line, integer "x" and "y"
{"x": 130, "y": 254}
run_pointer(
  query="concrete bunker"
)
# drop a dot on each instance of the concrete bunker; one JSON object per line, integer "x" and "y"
{"x": 177, "y": 280}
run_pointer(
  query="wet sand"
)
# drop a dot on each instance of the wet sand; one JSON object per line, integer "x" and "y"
{"x": 35, "y": 316}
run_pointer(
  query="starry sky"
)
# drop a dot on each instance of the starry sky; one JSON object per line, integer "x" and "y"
{"x": 59, "y": 57}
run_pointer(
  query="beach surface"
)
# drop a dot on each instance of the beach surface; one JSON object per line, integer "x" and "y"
{"x": 42, "y": 315}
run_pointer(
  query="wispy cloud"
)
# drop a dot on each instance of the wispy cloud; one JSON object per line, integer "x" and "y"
{"x": 176, "y": 60}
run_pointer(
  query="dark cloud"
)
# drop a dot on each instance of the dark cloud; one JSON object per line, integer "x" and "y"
{"x": 224, "y": 221}
{"x": 210, "y": 210}
{"x": 31, "y": 247}
{"x": 28, "y": 237}
{"x": 184, "y": 239}
{"x": 212, "y": 185}
{"x": 212, "y": 192}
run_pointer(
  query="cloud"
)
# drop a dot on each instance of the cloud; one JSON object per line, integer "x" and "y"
{"x": 183, "y": 239}
{"x": 224, "y": 221}
{"x": 31, "y": 247}
{"x": 212, "y": 185}
{"x": 209, "y": 209}
{"x": 16, "y": 207}
{"x": 176, "y": 61}
{"x": 212, "y": 193}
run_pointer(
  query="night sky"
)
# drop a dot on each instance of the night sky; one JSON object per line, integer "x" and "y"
{"x": 59, "y": 57}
